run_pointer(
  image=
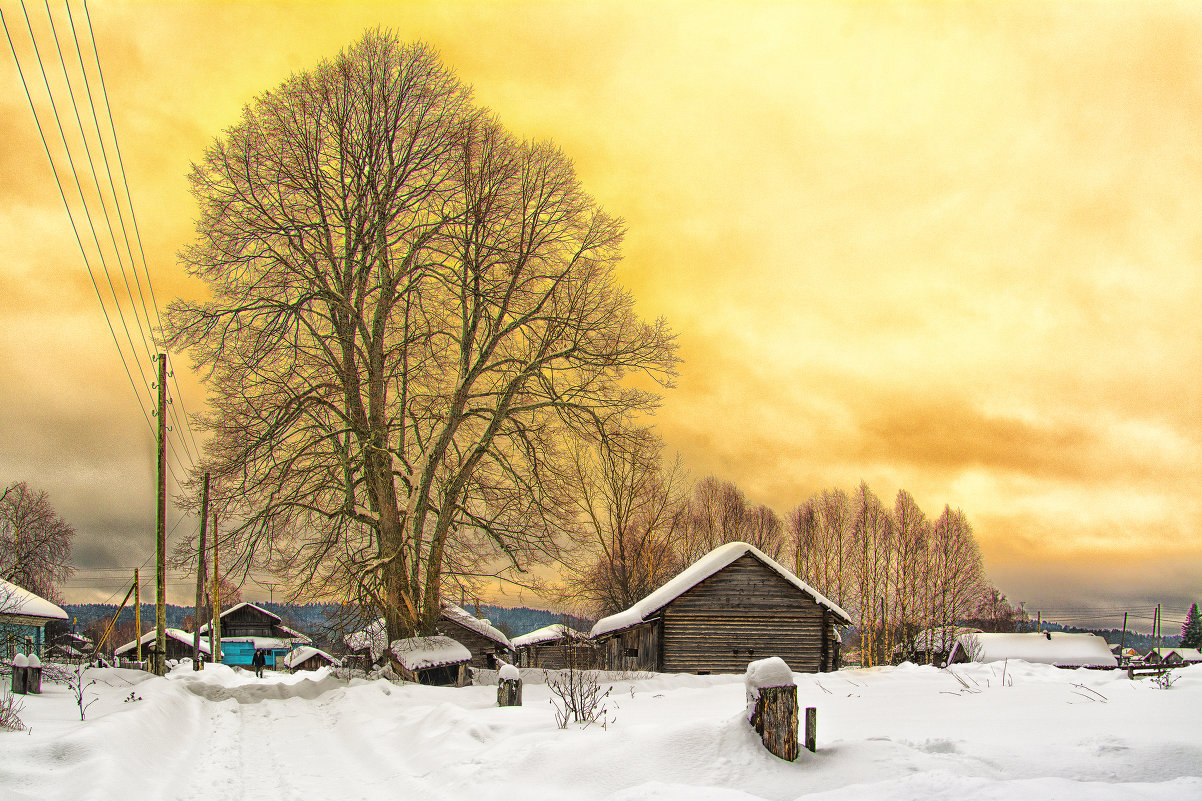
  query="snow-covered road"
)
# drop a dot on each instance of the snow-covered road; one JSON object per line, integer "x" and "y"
{"x": 888, "y": 733}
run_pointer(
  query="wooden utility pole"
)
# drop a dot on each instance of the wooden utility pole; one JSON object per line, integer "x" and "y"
{"x": 1123, "y": 642}
{"x": 160, "y": 550}
{"x": 138, "y": 615}
{"x": 215, "y": 628}
{"x": 201, "y": 570}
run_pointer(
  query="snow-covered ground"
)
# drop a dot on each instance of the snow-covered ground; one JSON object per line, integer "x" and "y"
{"x": 883, "y": 734}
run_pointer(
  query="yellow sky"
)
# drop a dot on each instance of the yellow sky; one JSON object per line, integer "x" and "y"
{"x": 950, "y": 247}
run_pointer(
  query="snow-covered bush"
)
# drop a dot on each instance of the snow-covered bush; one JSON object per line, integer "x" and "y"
{"x": 577, "y": 697}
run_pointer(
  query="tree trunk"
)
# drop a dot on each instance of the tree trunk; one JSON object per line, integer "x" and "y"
{"x": 775, "y": 720}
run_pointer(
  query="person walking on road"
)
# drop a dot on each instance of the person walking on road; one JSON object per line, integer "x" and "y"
{"x": 258, "y": 661}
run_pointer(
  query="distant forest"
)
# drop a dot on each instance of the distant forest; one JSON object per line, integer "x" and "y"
{"x": 313, "y": 618}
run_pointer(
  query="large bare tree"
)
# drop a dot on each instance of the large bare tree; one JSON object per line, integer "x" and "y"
{"x": 35, "y": 543}
{"x": 411, "y": 313}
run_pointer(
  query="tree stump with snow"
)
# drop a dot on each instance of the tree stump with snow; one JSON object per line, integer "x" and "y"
{"x": 20, "y": 674}
{"x": 33, "y": 675}
{"x": 509, "y": 686}
{"x": 772, "y": 696}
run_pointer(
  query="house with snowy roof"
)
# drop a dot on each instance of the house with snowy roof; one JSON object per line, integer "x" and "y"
{"x": 247, "y": 627}
{"x": 732, "y": 606}
{"x": 488, "y": 646}
{"x": 1173, "y": 656}
{"x": 178, "y": 642}
{"x": 555, "y": 647}
{"x": 23, "y": 619}
{"x": 932, "y": 646}
{"x": 1059, "y": 648}
{"x": 306, "y": 657}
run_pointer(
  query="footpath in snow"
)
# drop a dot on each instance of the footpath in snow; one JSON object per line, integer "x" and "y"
{"x": 884, "y": 734}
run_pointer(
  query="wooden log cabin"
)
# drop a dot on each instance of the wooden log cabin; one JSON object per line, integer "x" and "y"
{"x": 555, "y": 647}
{"x": 732, "y": 606}
{"x": 247, "y": 627}
{"x": 488, "y": 646}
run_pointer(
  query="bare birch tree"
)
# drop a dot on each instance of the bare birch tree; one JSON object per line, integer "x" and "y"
{"x": 411, "y": 312}
{"x": 35, "y": 543}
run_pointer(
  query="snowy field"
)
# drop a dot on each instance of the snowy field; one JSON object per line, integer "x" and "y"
{"x": 886, "y": 733}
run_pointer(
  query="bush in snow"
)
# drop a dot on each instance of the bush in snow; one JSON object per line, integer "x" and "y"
{"x": 1164, "y": 680}
{"x": 577, "y": 696}
{"x": 79, "y": 689}
{"x": 10, "y": 711}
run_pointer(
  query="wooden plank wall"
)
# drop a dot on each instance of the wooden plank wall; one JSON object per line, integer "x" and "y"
{"x": 247, "y": 622}
{"x": 744, "y": 612}
{"x": 479, "y": 645}
{"x": 636, "y": 648}
{"x": 554, "y": 655}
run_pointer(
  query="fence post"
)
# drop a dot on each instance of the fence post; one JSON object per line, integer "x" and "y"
{"x": 20, "y": 674}
{"x": 811, "y": 729}
{"x": 33, "y": 675}
{"x": 509, "y": 686}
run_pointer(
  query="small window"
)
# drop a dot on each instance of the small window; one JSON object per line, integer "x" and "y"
{"x": 632, "y": 651}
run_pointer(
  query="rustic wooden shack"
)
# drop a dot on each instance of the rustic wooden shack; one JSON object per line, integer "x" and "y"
{"x": 1059, "y": 648}
{"x": 729, "y": 608}
{"x": 179, "y": 645}
{"x": 306, "y": 657}
{"x": 488, "y": 646}
{"x": 555, "y": 647}
{"x": 436, "y": 660}
{"x": 1173, "y": 656}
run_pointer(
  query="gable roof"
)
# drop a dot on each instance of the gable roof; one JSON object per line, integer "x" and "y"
{"x": 174, "y": 634}
{"x": 483, "y": 627}
{"x": 15, "y": 600}
{"x": 305, "y": 652}
{"x": 546, "y": 634}
{"x": 1049, "y": 648}
{"x": 236, "y": 607}
{"x": 1186, "y": 654}
{"x": 714, "y": 561}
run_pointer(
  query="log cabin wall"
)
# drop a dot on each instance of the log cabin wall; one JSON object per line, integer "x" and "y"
{"x": 483, "y": 649}
{"x": 247, "y": 622}
{"x": 555, "y": 655}
{"x": 635, "y": 648}
{"x": 745, "y": 611}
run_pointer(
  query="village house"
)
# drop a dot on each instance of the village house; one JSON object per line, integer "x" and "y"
{"x": 1173, "y": 656}
{"x": 178, "y": 643}
{"x": 1058, "y": 648}
{"x": 555, "y": 647}
{"x": 23, "y": 619}
{"x": 246, "y": 628}
{"x": 932, "y": 646}
{"x": 732, "y": 606}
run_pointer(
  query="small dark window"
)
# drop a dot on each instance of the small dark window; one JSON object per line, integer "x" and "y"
{"x": 632, "y": 651}
{"x": 703, "y": 673}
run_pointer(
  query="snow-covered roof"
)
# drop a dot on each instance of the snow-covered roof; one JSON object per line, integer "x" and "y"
{"x": 17, "y": 601}
{"x": 238, "y": 606}
{"x": 175, "y": 634}
{"x": 464, "y": 618}
{"x": 1048, "y": 648}
{"x": 305, "y": 652}
{"x": 266, "y": 643}
{"x": 373, "y": 637}
{"x": 698, "y": 572}
{"x": 416, "y": 653}
{"x": 547, "y": 633}
{"x": 1185, "y": 654}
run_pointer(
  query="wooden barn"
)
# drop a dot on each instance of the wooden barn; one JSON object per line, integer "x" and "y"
{"x": 1058, "y": 648}
{"x": 1173, "y": 656}
{"x": 730, "y": 607}
{"x": 433, "y": 660}
{"x": 555, "y": 647}
{"x": 488, "y": 646}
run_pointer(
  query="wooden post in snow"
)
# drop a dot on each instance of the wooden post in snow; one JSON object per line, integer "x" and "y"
{"x": 509, "y": 686}
{"x": 811, "y": 729}
{"x": 138, "y": 617}
{"x": 774, "y": 714}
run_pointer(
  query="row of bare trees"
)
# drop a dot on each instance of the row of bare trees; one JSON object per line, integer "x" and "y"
{"x": 896, "y": 571}
{"x": 35, "y": 542}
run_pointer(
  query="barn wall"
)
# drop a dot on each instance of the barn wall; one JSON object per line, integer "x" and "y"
{"x": 746, "y": 611}
{"x": 247, "y": 622}
{"x": 554, "y": 655}
{"x": 480, "y": 646}
{"x": 635, "y": 648}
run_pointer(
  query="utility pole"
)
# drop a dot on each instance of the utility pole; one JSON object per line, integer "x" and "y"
{"x": 138, "y": 615}
{"x": 1156, "y": 627}
{"x": 215, "y": 628}
{"x": 160, "y": 550}
{"x": 200, "y": 573}
{"x": 1123, "y": 641}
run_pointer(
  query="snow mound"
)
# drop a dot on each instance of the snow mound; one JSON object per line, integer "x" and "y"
{"x": 258, "y": 692}
{"x": 508, "y": 673}
{"x": 770, "y": 672}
